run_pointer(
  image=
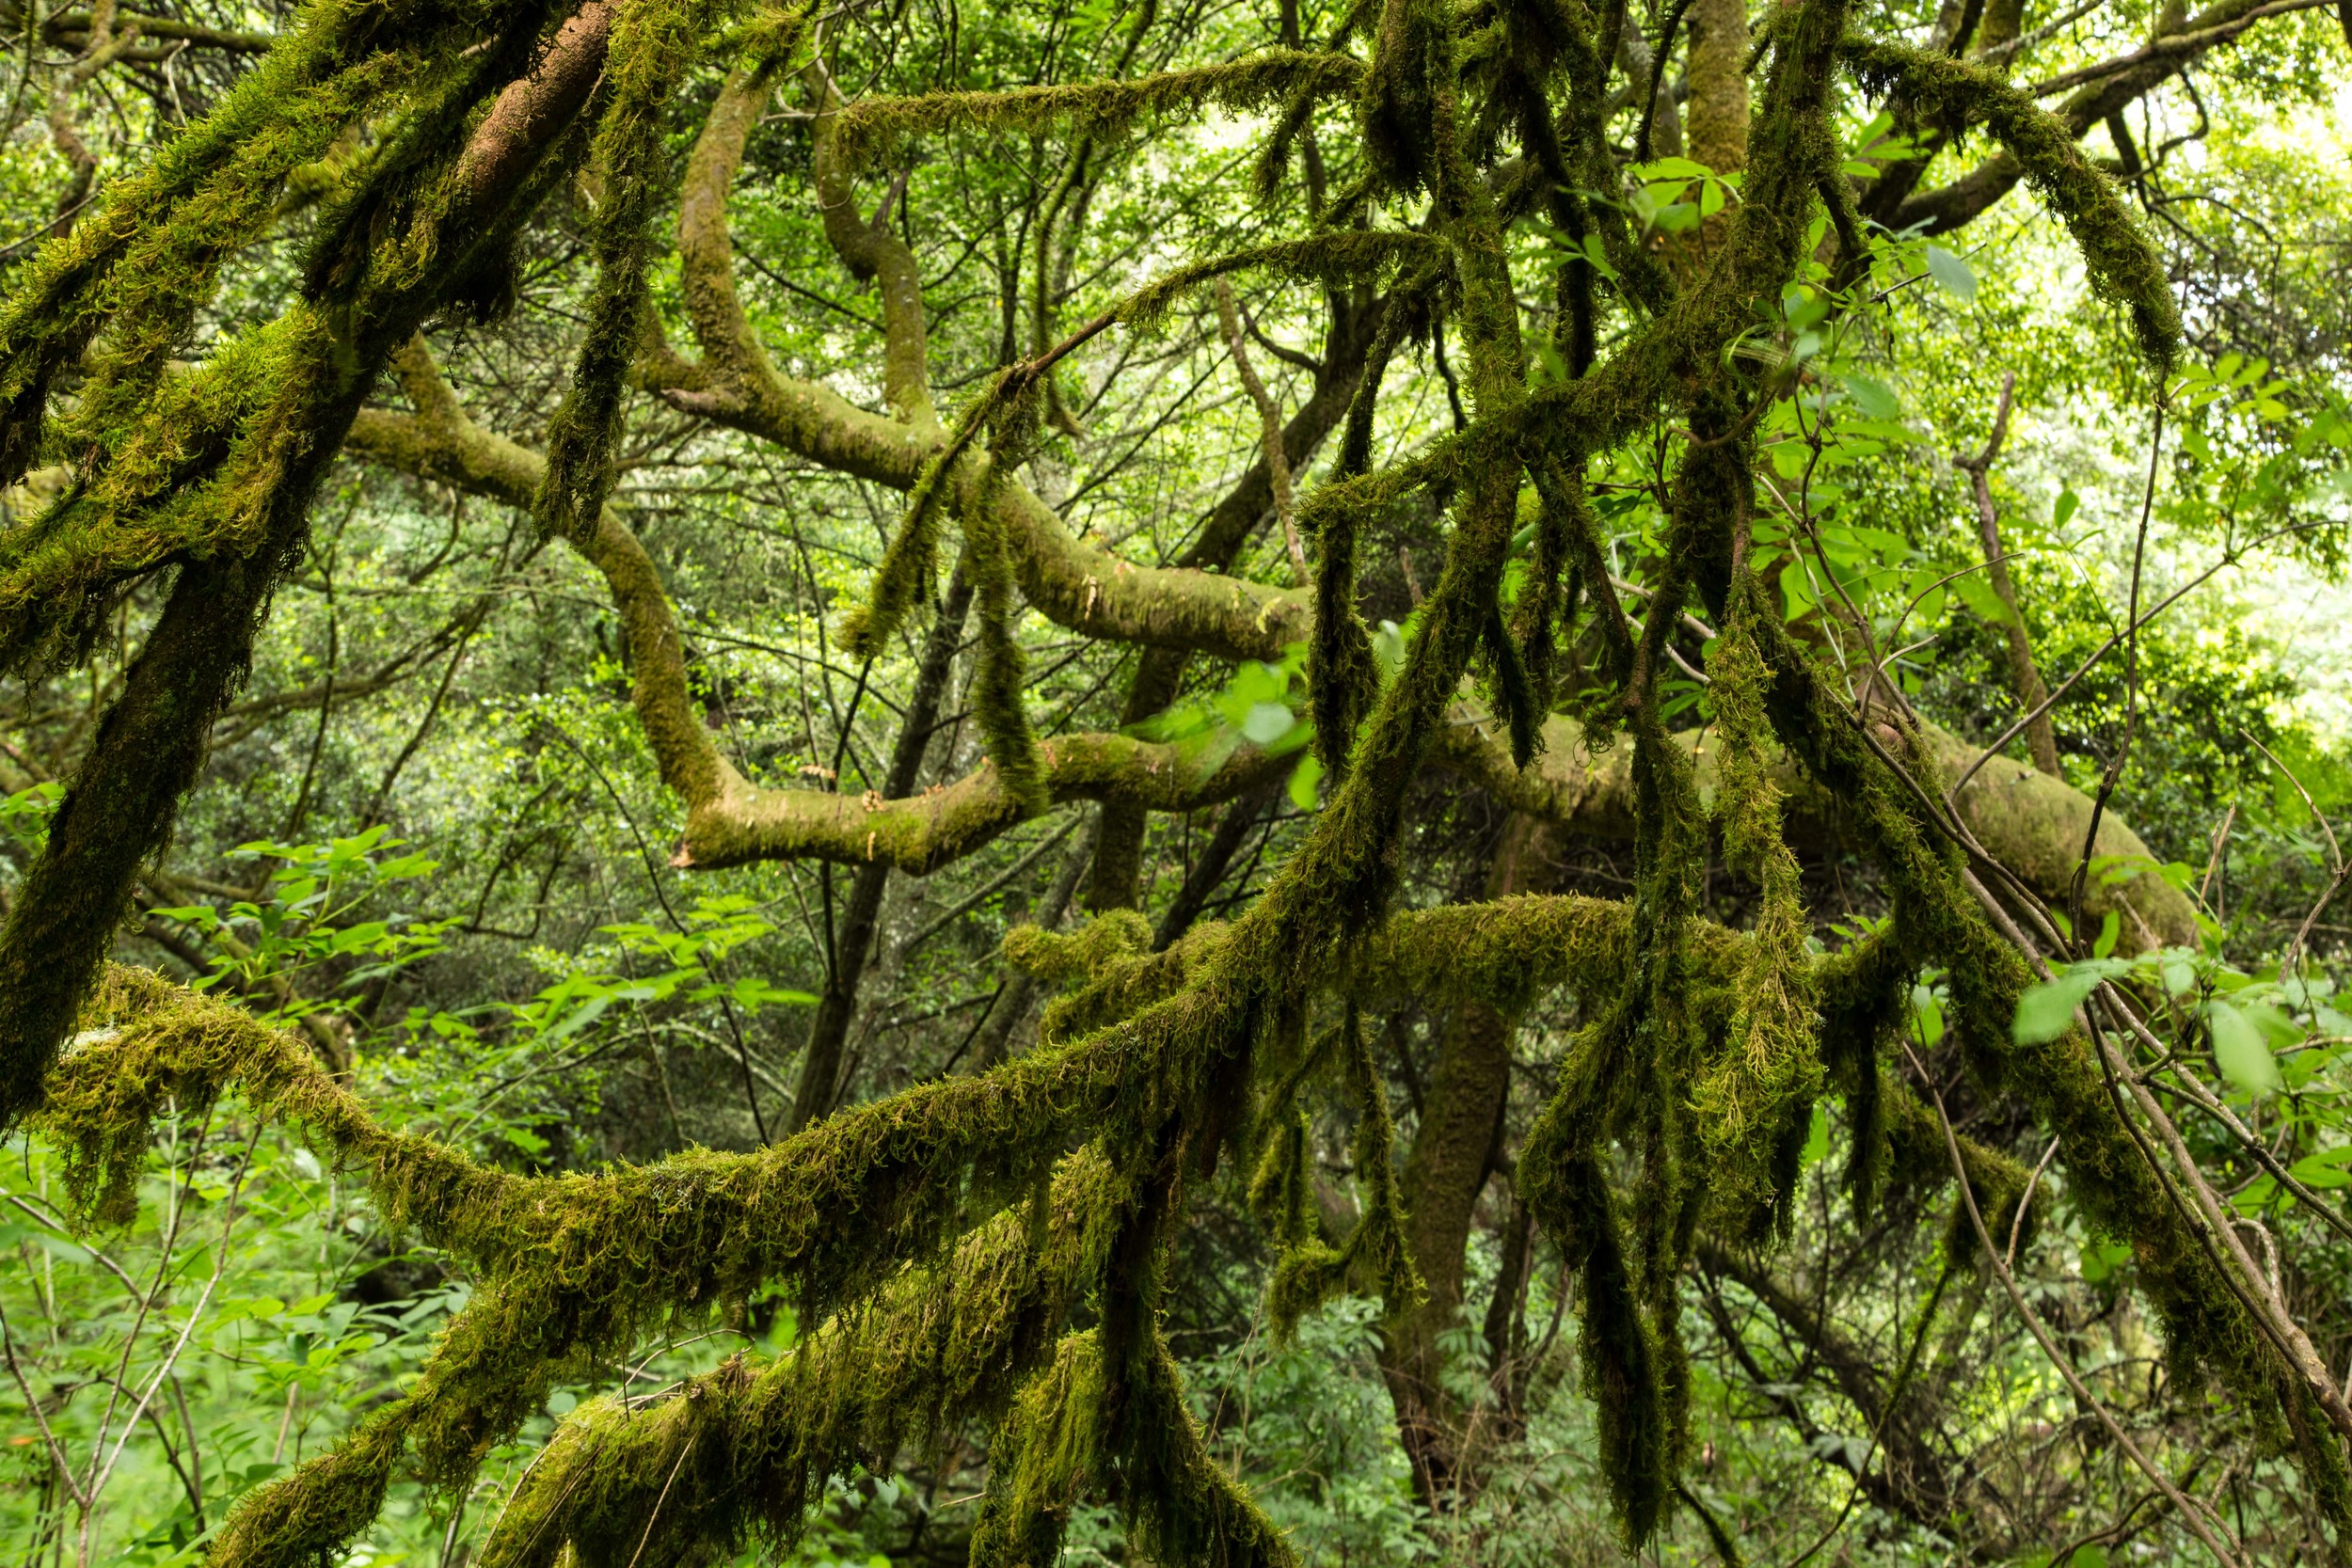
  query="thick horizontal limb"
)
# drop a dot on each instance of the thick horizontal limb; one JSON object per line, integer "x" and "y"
{"x": 2034, "y": 824}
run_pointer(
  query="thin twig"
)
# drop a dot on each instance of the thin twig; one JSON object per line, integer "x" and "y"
{"x": 1277, "y": 462}
{"x": 2191, "y": 1513}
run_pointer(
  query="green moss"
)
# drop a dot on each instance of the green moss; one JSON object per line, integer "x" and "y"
{"x": 874, "y": 128}
{"x": 1955, "y": 94}
{"x": 741, "y": 1454}
{"x": 1755, "y": 1099}
{"x": 652, "y": 46}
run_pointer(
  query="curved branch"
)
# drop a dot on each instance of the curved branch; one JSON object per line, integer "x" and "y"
{"x": 873, "y": 254}
{"x": 2035, "y": 824}
{"x": 731, "y": 821}
{"x": 1076, "y": 582}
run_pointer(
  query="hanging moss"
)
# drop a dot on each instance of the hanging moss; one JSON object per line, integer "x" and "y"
{"x": 652, "y": 43}
{"x": 147, "y": 257}
{"x": 977, "y": 1234}
{"x": 909, "y": 562}
{"x": 1955, "y": 94}
{"x": 1863, "y": 992}
{"x": 1398, "y": 104}
{"x": 1042, "y": 1454}
{"x": 2107, "y": 1175}
{"x": 1374, "y": 1257}
{"x": 1756, "y": 1100}
{"x": 366, "y": 290}
{"x": 741, "y": 1454}
{"x": 1341, "y": 676}
{"x": 307, "y": 1518}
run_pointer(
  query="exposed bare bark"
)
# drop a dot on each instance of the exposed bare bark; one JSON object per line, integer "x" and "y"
{"x": 2023, "y": 676}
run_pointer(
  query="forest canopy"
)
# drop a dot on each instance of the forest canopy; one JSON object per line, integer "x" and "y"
{"x": 1458, "y": 780}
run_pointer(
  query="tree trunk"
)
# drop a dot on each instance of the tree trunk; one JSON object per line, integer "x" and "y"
{"x": 1715, "y": 122}
{"x": 820, "y": 1063}
{"x": 1452, "y": 1153}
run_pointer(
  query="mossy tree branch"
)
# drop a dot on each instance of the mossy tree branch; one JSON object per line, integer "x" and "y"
{"x": 118, "y": 809}
{"x": 730, "y": 821}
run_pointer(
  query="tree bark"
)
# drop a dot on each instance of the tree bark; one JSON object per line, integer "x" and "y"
{"x": 1715, "y": 121}
{"x": 2025, "y": 679}
{"x": 150, "y": 748}
{"x": 820, "y": 1060}
{"x": 1445, "y": 1171}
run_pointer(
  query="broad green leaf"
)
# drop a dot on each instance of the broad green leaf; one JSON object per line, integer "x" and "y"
{"x": 1675, "y": 216}
{"x": 1978, "y": 596}
{"x": 1817, "y": 1138}
{"x": 2048, "y": 1010}
{"x": 2102, "y": 1258}
{"x": 2240, "y": 1050}
{"x": 1267, "y": 723}
{"x": 1875, "y": 399}
{"x": 1951, "y": 273}
{"x": 2324, "y": 1169}
{"x": 1304, "y": 778}
{"x": 1671, "y": 168}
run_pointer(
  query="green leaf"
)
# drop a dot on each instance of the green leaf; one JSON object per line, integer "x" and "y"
{"x": 1304, "y": 778}
{"x": 2048, "y": 1010}
{"x": 528, "y": 1141}
{"x": 1675, "y": 217}
{"x": 1268, "y": 723}
{"x": 1596, "y": 257}
{"x": 1671, "y": 168}
{"x": 2102, "y": 1258}
{"x": 1951, "y": 273}
{"x": 1815, "y": 1139}
{"x": 2109, "y": 929}
{"x": 1875, "y": 399}
{"x": 1978, "y": 596}
{"x": 2324, "y": 1169}
{"x": 2068, "y": 502}
{"x": 2240, "y": 1050}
